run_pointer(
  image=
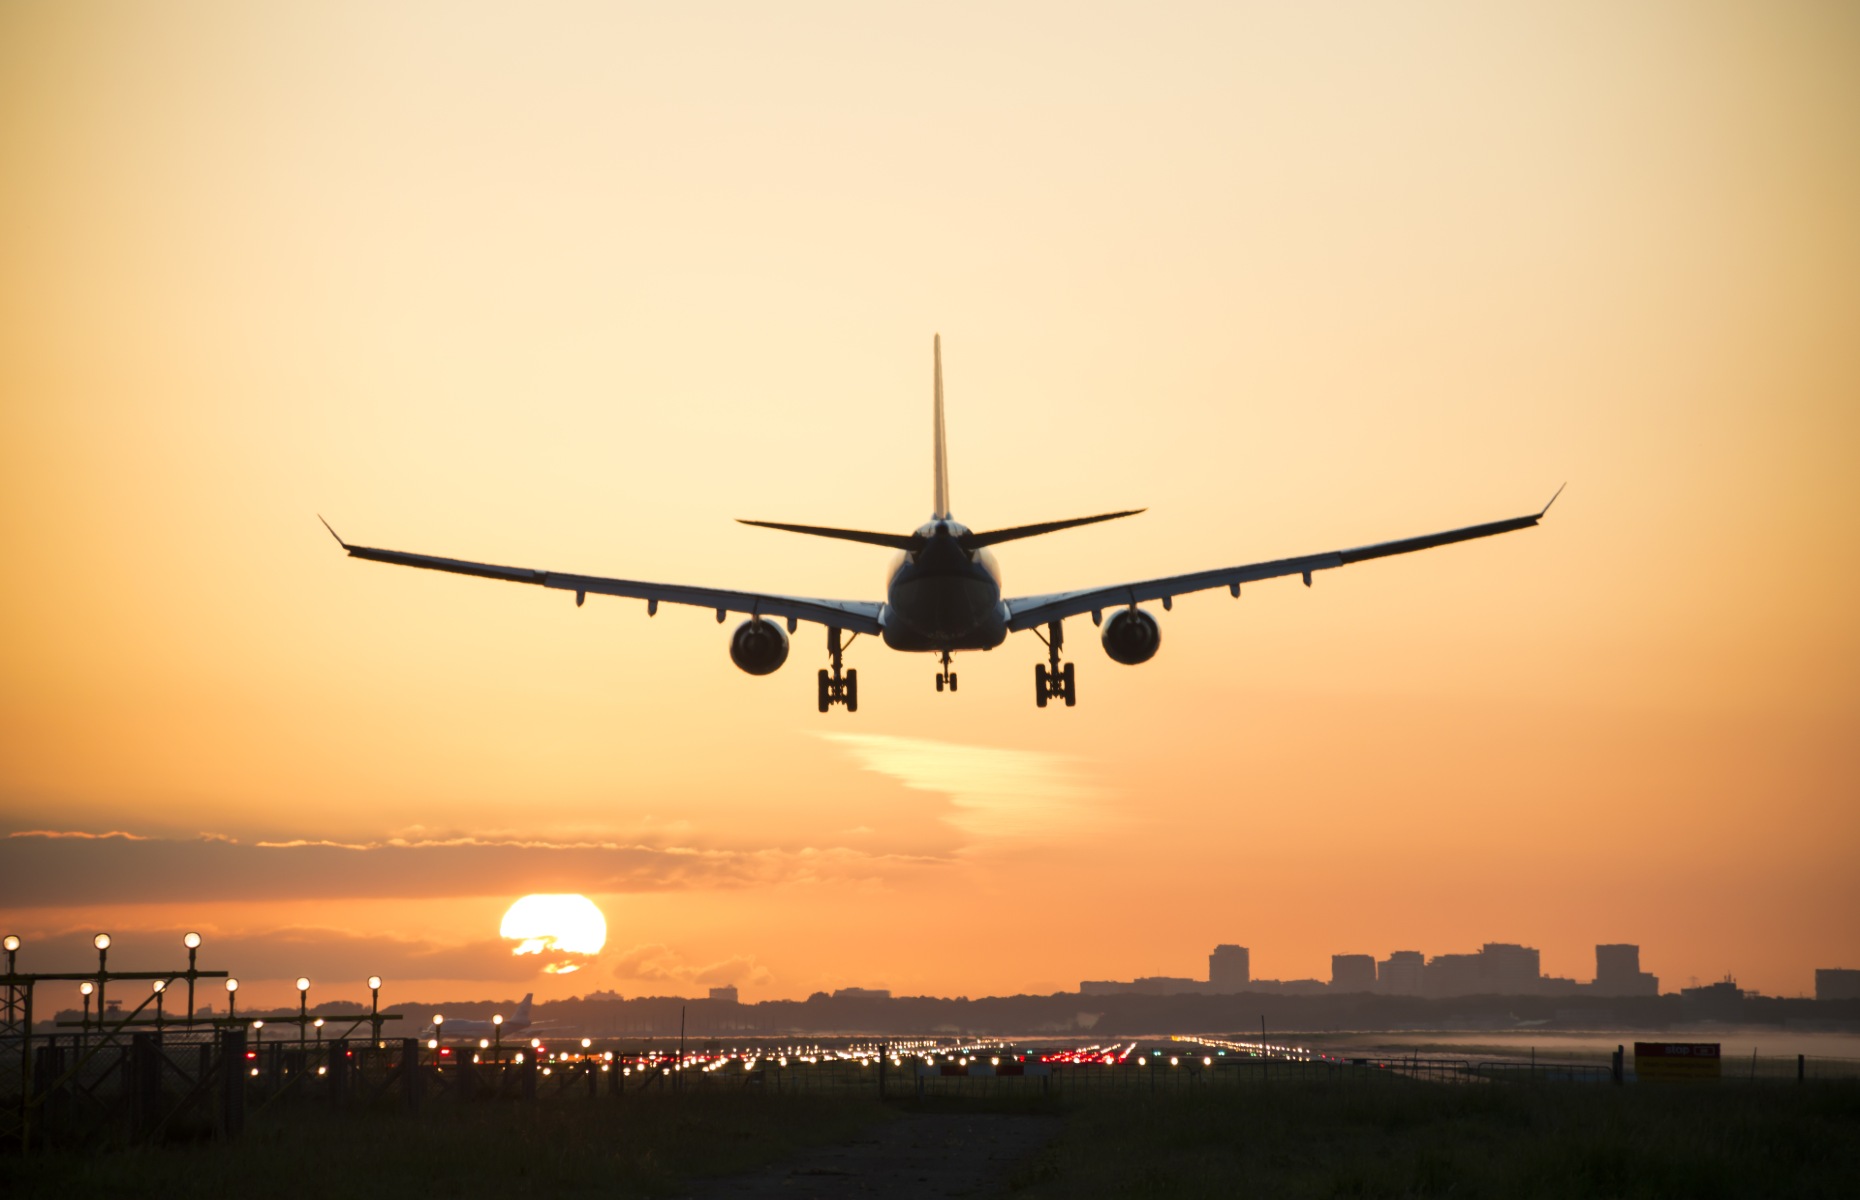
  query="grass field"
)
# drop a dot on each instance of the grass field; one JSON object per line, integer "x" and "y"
{"x": 1506, "y": 1140}
{"x": 648, "y": 1147}
{"x": 1292, "y": 1140}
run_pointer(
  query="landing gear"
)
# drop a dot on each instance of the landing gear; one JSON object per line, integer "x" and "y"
{"x": 946, "y": 676}
{"x": 1052, "y": 678}
{"x": 837, "y": 687}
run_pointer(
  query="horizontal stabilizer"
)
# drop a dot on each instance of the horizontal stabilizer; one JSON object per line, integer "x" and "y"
{"x": 975, "y": 541}
{"x": 897, "y": 541}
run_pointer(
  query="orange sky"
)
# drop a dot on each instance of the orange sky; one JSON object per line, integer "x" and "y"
{"x": 575, "y": 288}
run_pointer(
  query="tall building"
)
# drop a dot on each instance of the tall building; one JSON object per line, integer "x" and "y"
{"x": 1401, "y": 973}
{"x": 1498, "y": 969}
{"x": 1508, "y": 970}
{"x": 1229, "y": 969}
{"x": 1618, "y": 973}
{"x": 1453, "y": 975}
{"x": 1836, "y": 983}
{"x": 723, "y": 995}
{"x": 1352, "y": 972}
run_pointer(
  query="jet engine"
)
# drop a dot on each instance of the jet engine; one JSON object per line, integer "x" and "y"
{"x": 1131, "y": 636}
{"x": 758, "y": 647}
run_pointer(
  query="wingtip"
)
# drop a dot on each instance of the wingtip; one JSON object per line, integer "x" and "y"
{"x": 1546, "y": 507}
{"x": 332, "y": 532}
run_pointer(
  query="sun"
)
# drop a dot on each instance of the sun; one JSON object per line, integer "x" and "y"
{"x": 565, "y": 930}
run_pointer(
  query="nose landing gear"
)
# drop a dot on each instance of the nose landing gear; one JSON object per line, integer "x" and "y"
{"x": 946, "y": 675}
{"x": 1052, "y": 679}
{"x": 838, "y": 687}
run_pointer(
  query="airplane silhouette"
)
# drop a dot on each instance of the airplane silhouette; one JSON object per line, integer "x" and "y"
{"x": 943, "y": 593}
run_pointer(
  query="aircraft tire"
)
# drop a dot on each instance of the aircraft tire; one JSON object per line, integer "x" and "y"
{"x": 939, "y": 683}
{"x": 1071, "y": 686}
{"x": 826, "y": 697}
{"x": 952, "y": 681}
{"x": 852, "y": 690}
{"x": 1039, "y": 684}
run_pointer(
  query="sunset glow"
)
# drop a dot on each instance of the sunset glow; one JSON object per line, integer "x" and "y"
{"x": 576, "y": 291}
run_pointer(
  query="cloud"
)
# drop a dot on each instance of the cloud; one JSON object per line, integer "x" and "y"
{"x": 656, "y": 963}
{"x": 995, "y": 794}
{"x": 42, "y": 869}
{"x": 336, "y": 960}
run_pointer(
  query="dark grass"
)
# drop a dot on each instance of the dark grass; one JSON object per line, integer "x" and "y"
{"x": 1296, "y": 1139}
{"x": 650, "y": 1147}
{"x": 1509, "y": 1140}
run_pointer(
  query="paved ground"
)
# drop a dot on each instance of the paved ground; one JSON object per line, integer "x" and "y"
{"x": 927, "y": 1155}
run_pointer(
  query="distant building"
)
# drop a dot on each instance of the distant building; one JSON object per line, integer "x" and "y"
{"x": 1498, "y": 969}
{"x": 1352, "y": 972}
{"x": 1401, "y": 973}
{"x": 723, "y": 995}
{"x": 1511, "y": 970}
{"x": 1722, "y": 1001}
{"x": 861, "y": 994}
{"x": 1230, "y": 969}
{"x": 1837, "y": 983}
{"x": 1453, "y": 975}
{"x": 1149, "y": 985}
{"x": 1290, "y": 987}
{"x": 1618, "y": 973}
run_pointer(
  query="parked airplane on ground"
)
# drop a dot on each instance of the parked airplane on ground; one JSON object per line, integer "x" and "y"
{"x": 517, "y": 1022}
{"x": 944, "y": 592}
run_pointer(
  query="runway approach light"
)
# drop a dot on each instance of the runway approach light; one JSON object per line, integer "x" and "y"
{"x": 86, "y": 988}
{"x": 101, "y": 941}
{"x": 374, "y": 983}
{"x": 303, "y": 983}
{"x": 191, "y": 941}
{"x": 12, "y": 943}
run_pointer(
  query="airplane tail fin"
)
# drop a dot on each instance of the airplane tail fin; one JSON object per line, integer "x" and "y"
{"x": 940, "y": 500}
{"x": 523, "y": 1009}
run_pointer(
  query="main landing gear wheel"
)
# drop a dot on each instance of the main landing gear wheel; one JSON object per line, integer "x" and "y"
{"x": 1052, "y": 678}
{"x": 836, "y": 686}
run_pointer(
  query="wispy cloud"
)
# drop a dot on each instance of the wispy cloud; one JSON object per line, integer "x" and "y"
{"x": 334, "y": 958}
{"x": 656, "y": 963}
{"x": 994, "y": 794}
{"x": 51, "y": 870}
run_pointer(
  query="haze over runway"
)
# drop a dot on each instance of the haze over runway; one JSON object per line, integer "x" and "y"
{"x": 578, "y": 289}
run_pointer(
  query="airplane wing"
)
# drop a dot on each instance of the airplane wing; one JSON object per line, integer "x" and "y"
{"x": 859, "y": 616}
{"x": 1028, "y": 612}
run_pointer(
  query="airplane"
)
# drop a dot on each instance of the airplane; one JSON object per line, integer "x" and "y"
{"x": 943, "y": 592}
{"x": 516, "y": 1022}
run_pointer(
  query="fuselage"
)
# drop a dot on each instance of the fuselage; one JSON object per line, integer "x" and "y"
{"x": 942, "y": 597}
